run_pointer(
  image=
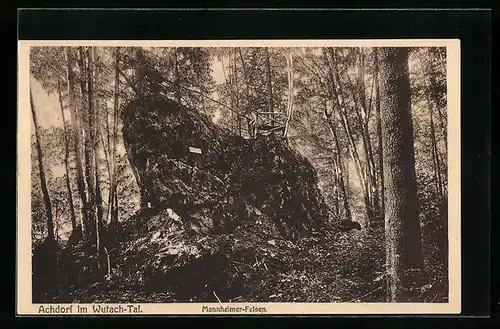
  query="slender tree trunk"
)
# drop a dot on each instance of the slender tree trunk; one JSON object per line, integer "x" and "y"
{"x": 75, "y": 120}
{"x": 435, "y": 156}
{"x": 403, "y": 240}
{"x": 112, "y": 194}
{"x": 289, "y": 61}
{"x": 115, "y": 205}
{"x": 88, "y": 145}
{"x": 362, "y": 116}
{"x": 433, "y": 85}
{"x": 338, "y": 158}
{"x": 336, "y": 93}
{"x": 177, "y": 76}
{"x": 379, "y": 134}
{"x": 372, "y": 174}
{"x": 237, "y": 91}
{"x": 433, "y": 101}
{"x": 86, "y": 67}
{"x": 43, "y": 182}
{"x": 247, "y": 90}
{"x": 105, "y": 149}
{"x": 336, "y": 184}
{"x": 66, "y": 160}
{"x": 229, "y": 84}
{"x": 56, "y": 225}
{"x": 93, "y": 101}
{"x": 269, "y": 82}
{"x": 355, "y": 158}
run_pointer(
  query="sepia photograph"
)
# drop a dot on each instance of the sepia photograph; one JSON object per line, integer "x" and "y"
{"x": 249, "y": 175}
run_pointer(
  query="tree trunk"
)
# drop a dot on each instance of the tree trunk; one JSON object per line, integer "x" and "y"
{"x": 43, "y": 182}
{"x": 379, "y": 134}
{"x": 336, "y": 94}
{"x": 237, "y": 92}
{"x": 106, "y": 149}
{"x": 247, "y": 91}
{"x": 177, "y": 77}
{"x": 115, "y": 205}
{"x": 93, "y": 101}
{"x": 289, "y": 60}
{"x": 336, "y": 184}
{"x": 435, "y": 156}
{"x": 403, "y": 240}
{"x": 340, "y": 167}
{"x": 89, "y": 140}
{"x": 66, "y": 160}
{"x": 75, "y": 120}
{"x": 87, "y": 144}
{"x": 433, "y": 85}
{"x": 269, "y": 82}
{"x": 228, "y": 81}
{"x": 362, "y": 116}
{"x": 116, "y": 105}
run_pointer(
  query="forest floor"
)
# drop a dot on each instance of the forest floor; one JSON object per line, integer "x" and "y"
{"x": 325, "y": 267}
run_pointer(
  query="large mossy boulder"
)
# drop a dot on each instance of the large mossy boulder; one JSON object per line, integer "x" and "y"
{"x": 217, "y": 188}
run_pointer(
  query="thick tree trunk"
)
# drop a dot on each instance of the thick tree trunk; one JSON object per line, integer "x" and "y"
{"x": 43, "y": 182}
{"x": 403, "y": 240}
{"x": 66, "y": 161}
{"x": 75, "y": 120}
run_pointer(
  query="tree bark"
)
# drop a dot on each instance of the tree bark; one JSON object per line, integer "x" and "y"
{"x": 43, "y": 182}
{"x": 403, "y": 240}
{"x": 66, "y": 160}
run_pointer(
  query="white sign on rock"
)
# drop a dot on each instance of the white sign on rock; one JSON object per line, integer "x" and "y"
{"x": 195, "y": 150}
